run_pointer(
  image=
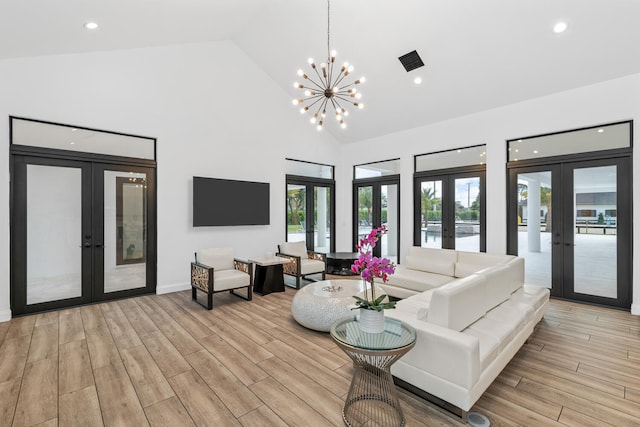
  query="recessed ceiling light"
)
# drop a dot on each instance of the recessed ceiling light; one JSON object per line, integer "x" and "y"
{"x": 535, "y": 151}
{"x": 560, "y": 27}
{"x": 72, "y": 143}
{"x": 91, "y": 25}
{"x": 600, "y": 130}
{"x": 417, "y": 80}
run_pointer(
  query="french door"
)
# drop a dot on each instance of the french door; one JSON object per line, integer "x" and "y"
{"x": 82, "y": 231}
{"x": 377, "y": 203}
{"x": 449, "y": 210}
{"x": 310, "y": 213}
{"x": 571, "y": 221}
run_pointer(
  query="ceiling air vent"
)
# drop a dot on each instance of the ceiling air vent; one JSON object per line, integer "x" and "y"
{"x": 411, "y": 61}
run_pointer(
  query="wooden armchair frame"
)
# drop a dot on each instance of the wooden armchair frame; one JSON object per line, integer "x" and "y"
{"x": 293, "y": 268}
{"x": 202, "y": 279}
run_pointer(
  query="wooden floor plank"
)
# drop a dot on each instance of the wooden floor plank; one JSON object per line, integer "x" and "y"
{"x": 293, "y": 410}
{"x": 243, "y": 368}
{"x": 44, "y": 342}
{"x": 150, "y": 384}
{"x": 316, "y": 396}
{"x": 166, "y": 356}
{"x": 572, "y": 418}
{"x": 71, "y": 327}
{"x": 13, "y": 357}
{"x": 74, "y": 367}
{"x": 168, "y": 413}
{"x": 231, "y": 391}
{"x": 9, "y": 391}
{"x": 204, "y": 407}
{"x": 38, "y": 399}
{"x": 80, "y": 408}
{"x": 118, "y": 400}
{"x": 262, "y": 416}
{"x": 571, "y": 371}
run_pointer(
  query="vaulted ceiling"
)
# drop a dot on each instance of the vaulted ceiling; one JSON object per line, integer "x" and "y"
{"x": 478, "y": 54}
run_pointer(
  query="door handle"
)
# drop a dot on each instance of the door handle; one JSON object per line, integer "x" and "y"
{"x": 569, "y": 244}
{"x": 99, "y": 246}
{"x": 87, "y": 245}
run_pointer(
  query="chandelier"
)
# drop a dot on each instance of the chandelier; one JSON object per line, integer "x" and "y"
{"x": 328, "y": 86}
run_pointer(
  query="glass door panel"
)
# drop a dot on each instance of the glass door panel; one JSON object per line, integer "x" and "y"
{"x": 296, "y": 212}
{"x": 534, "y": 226}
{"x": 365, "y": 211}
{"x": 125, "y": 230}
{"x": 595, "y": 237}
{"x": 389, "y": 198}
{"x": 54, "y": 233}
{"x": 322, "y": 219}
{"x": 431, "y": 214}
{"x": 467, "y": 217}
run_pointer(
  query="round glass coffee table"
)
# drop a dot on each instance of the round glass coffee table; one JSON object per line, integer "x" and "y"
{"x": 372, "y": 398}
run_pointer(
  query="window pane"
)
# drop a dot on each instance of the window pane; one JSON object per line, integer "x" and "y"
{"x": 451, "y": 159}
{"x": 534, "y": 226}
{"x": 377, "y": 169}
{"x": 314, "y": 170}
{"x": 54, "y": 233}
{"x": 467, "y": 198}
{"x": 296, "y": 213}
{"x": 322, "y": 227}
{"x": 431, "y": 213}
{"x": 61, "y": 137}
{"x": 578, "y": 141}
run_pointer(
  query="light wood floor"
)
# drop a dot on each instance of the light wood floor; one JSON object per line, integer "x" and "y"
{"x": 164, "y": 360}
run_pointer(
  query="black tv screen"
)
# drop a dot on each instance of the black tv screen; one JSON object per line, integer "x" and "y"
{"x": 228, "y": 202}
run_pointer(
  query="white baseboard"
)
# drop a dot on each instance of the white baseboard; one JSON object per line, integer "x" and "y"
{"x": 5, "y": 315}
{"x": 176, "y": 287}
{"x": 635, "y": 309}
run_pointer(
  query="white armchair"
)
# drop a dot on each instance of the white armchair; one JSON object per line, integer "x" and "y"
{"x": 303, "y": 262}
{"x": 216, "y": 270}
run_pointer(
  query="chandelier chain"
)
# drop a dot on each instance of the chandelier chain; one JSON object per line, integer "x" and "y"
{"x": 328, "y": 28}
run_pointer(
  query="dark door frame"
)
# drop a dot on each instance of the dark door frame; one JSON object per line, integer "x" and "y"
{"x": 448, "y": 177}
{"x": 310, "y": 183}
{"x": 562, "y": 249}
{"x": 376, "y": 206}
{"x": 20, "y": 155}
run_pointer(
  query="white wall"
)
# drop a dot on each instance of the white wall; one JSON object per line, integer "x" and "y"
{"x": 216, "y": 114}
{"x": 602, "y": 103}
{"x": 213, "y": 111}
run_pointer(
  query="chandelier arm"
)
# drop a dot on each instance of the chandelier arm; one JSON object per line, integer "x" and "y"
{"x": 319, "y": 77}
{"x": 314, "y": 102}
{"x": 319, "y": 86}
{"x": 344, "y": 99}
{"x": 330, "y": 76}
{"x": 341, "y": 78}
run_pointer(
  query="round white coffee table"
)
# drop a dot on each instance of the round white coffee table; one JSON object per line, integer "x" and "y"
{"x": 319, "y": 305}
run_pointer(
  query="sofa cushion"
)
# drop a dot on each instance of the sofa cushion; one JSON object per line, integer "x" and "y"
{"x": 309, "y": 266}
{"x": 218, "y": 258}
{"x": 459, "y": 303}
{"x": 489, "y": 346}
{"x": 534, "y": 296}
{"x": 501, "y": 330}
{"x": 439, "y": 261}
{"x": 417, "y": 280}
{"x": 229, "y": 279}
{"x": 472, "y": 262}
{"x": 294, "y": 248}
{"x": 416, "y": 305}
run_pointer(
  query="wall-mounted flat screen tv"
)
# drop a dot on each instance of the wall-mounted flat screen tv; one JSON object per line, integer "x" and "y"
{"x": 219, "y": 202}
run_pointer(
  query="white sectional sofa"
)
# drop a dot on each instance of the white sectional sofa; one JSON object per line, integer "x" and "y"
{"x": 469, "y": 327}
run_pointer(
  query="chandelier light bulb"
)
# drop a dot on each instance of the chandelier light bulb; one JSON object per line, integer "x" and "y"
{"x": 343, "y": 125}
{"x": 350, "y": 69}
{"x": 295, "y": 102}
{"x": 304, "y": 110}
{"x": 324, "y": 114}
{"x": 307, "y": 93}
{"x": 297, "y": 85}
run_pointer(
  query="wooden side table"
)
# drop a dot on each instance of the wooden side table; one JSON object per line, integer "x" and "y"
{"x": 372, "y": 398}
{"x": 269, "y": 276}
